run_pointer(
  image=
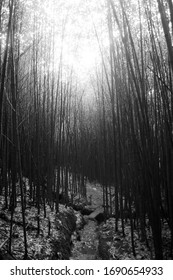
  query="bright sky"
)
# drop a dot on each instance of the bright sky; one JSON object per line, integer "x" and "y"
{"x": 80, "y": 46}
{"x": 77, "y": 21}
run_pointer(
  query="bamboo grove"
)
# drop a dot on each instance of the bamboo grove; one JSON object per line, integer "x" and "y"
{"x": 52, "y": 141}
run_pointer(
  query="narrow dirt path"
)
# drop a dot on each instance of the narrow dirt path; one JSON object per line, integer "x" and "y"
{"x": 95, "y": 191}
{"x": 86, "y": 248}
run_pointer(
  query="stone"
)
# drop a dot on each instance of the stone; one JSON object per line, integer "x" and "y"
{"x": 98, "y": 215}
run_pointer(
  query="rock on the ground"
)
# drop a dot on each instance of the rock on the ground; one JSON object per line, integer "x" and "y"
{"x": 87, "y": 210}
{"x": 98, "y": 215}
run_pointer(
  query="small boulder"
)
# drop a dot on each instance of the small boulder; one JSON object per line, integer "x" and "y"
{"x": 98, "y": 215}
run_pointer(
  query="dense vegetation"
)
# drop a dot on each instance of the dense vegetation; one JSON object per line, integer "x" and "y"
{"x": 122, "y": 137}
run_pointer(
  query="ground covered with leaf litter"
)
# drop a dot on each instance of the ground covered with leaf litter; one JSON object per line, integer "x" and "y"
{"x": 113, "y": 245}
{"x": 71, "y": 235}
{"x": 53, "y": 242}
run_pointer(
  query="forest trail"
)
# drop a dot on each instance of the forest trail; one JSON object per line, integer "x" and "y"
{"x": 96, "y": 193}
{"x": 86, "y": 247}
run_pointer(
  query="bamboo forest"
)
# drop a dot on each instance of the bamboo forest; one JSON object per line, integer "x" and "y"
{"x": 86, "y": 129}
